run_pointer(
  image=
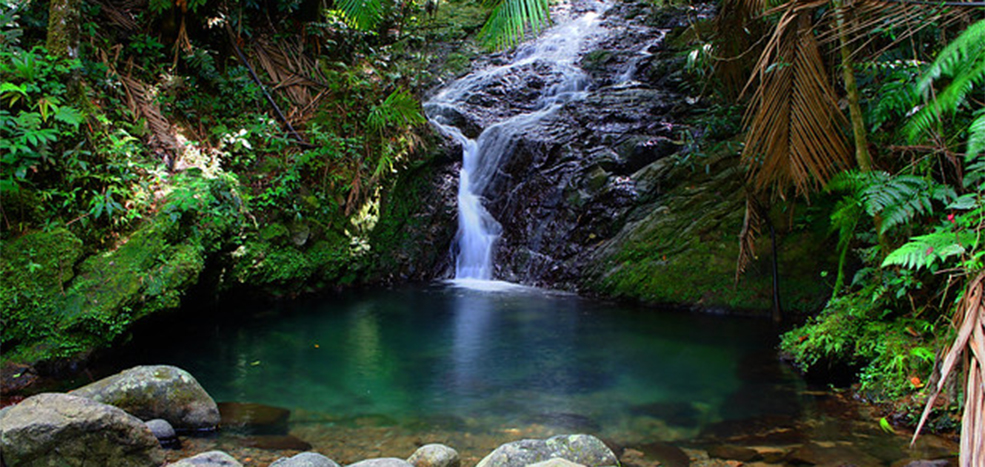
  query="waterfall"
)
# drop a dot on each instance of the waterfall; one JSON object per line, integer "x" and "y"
{"x": 550, "y": 59}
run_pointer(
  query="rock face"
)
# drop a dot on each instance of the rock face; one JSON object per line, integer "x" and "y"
{"x": 581, "y": 449}
{"x": 159, "y": 391}
{"x": 435, "y": 455}
{"x": 305, "y": 459}
{"x": 65, "y": 430}
{"x": 208, "y": 459}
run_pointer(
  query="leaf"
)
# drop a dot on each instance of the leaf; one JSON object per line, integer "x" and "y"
{"x": 510, "y": 19}
{"x": 363, "y": 15}
{"x": 69, "y": 116}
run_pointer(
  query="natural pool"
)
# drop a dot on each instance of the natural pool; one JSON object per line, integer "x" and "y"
{"x": 379, "y": 372}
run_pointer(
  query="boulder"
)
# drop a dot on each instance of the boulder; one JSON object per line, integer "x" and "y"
{"x": 65, "y": 430}
{"x": 208, "y": 459}
{"x": 382, "y": 462}
{"x": 556, "y": 463}
{"x": 581, "y": 449}
{"x": 157, "y": 391}
{"x": 305, "y": 459}
{"x": 435, "y": 455}
{"x": 164, "y": 433}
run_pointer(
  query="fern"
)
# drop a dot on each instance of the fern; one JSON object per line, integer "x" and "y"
{"x": 897, "y": 199}
{"x": 508, "y": 23}
{"x": 963, "y": 61}
{"x": 976, "y": 136}
{"x": 925, "y": 251}
{"x": 399, "y": 109}
{"x": 363, "y": 15}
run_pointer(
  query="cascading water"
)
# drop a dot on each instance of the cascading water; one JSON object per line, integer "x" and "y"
{"x": 552, "y": 58}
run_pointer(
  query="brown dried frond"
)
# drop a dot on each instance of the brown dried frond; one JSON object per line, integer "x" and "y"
{"x": 292, "y": 72}
{"x": 751, "y": 227}
{"x": 794, "y": 136}
{"x": 121, "y": 13}
{"x": 969, "y": 320}
{"x": 141, "y": 104}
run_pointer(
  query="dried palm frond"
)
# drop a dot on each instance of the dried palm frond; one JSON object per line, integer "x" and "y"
{"x": 292, "y": 73}
{"x": 970, "y": 322}
{"x": 141, "y": 103}
{"x": 121, "y": 13}
{"x": 752, "y": 225}
{"x": 794, "y": 124}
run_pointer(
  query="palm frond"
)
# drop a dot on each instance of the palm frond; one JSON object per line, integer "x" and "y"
{"x": 510, "y": 20}
{"x": 751, "y": 226}
{"x": 363, "y": 15}
{"x": 970, "y": 322}
{"x": 794, "y": 124}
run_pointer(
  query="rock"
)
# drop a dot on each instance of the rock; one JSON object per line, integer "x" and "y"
{"x": 251, "y": 418}
{"x": 739, "y": 453}
{"x": 305, "y": 459}
{"x": 668, "y": 454}
{"x": 556, "y": 463}
{"x": 208, "y": 459}
{"x": 65, "y": 430}
{"x": 382, "y": 462}
{"x": 925, "y": 463}
{"x": 276, "y": 442}
{"x": 816, "y": 454}
{"x": 435, "y": 455}
{"x": 582, "y": 449}
{"x": 164, "y": 433}
{"x": 159, "y": 391}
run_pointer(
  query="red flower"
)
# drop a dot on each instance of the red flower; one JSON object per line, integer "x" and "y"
{"x": 950, "y": 217}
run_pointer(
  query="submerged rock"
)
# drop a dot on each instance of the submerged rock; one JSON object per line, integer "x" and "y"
{"x": 435, "y": 455}
{"x": 252, "y": 418}
{"x": 582, "y": 449}
{"x": 276, "y": 442}
{"x": 65, "y": 430}
{"x": 305, "y": 459}
{"x": 159, "y": 391}
{"x": 208, "y": 459}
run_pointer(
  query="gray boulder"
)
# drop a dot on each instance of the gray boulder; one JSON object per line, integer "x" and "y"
{"x": 556, "y": 463}
{"x": 65, "y": 430}
{"x": 158, "y": 391}
{"x": 305, "y": 459}
{"x": 164, "y": 433}
{"x": 435, "y": 455}
{"x": 208, "y": 459}
{"x": 586, "y": 450}
{"x": 382, "y": 462}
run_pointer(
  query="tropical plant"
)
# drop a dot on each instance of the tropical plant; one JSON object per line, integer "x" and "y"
{"x": 510, "y": 20}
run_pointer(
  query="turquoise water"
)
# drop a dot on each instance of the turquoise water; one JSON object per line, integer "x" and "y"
{"x": 495, "y": 358}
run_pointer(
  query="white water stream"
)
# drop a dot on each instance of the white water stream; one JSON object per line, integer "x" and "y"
{"x": 554, "y": 57}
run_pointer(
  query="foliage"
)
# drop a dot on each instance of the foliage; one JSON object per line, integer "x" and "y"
{"x": 510, "y": 19}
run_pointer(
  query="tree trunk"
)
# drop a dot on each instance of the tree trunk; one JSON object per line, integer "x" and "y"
{"x": 862, "y": 156}
{"x": 64, "y": 18}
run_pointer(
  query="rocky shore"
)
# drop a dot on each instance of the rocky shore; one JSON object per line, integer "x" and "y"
{"x": 160, "y": 415}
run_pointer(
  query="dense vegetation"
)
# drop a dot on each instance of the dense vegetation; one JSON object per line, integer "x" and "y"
{"x": 900, "y": 179}
{"x": 264, "y": 132}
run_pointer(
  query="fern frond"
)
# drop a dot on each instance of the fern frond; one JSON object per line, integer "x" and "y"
{"x": 963, "y": 60}
{"x": 510, "y": 19}
{"x": 976, "y": 136}
{"x": 926, "y": 250}
{"x": 363, "y": 15}
{"x": 399, "y": 109}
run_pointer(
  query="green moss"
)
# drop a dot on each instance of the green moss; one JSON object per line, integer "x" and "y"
{"x": 275, "y": 233}
{"x": 684, "y": 252}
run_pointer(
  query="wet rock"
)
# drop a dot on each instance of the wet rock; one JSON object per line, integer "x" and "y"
{"x": 836, "y": 454}
{"x": 65, "y": 430}
{"x": 739, "y": 453}
{"x": 668, "y": 454}
{"x": 158, "y": 391}
{"x": 252, "y": 418}
{"x": 275, "y": 442}
{"x": 382, "y": 462}
{"x": 435, "y": 455}
{"x": 164, "y": 433}
{"x": 556, "y": 463}
{"x": 208, "y": 459}
{"x": 582, "y": 449}
{"x": 305, "y": 459}
{"x": 925, "y": 463}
